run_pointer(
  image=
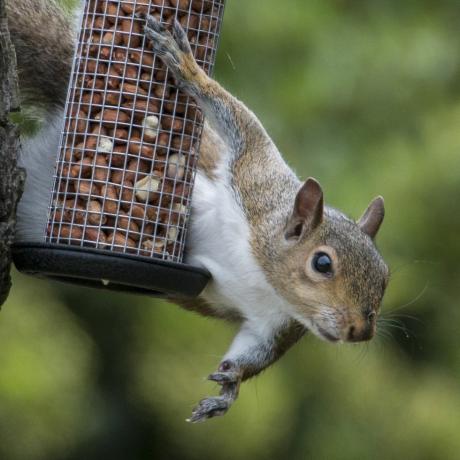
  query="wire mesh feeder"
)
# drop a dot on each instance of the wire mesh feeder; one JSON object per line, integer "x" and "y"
{"x": 120, "y": 201}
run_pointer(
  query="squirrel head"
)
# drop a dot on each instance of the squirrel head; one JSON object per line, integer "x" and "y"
{"x": 329, "y": 269}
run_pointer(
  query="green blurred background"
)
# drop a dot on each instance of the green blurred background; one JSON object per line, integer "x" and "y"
{"x": 364, "y": 96}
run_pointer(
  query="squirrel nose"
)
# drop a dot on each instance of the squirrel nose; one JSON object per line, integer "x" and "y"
{"x": 362, "y": 330}
{"x": 361, "y": 333}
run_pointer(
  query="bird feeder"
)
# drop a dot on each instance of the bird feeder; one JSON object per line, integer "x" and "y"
{"x": 124, "y": 174}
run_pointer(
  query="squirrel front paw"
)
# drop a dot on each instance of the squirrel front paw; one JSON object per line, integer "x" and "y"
{"x": 229, "y": 377}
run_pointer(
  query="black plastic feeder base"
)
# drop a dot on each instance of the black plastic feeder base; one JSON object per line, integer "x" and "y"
{"x": 108, "y": 270}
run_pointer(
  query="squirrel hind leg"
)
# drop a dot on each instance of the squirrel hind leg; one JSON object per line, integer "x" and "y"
{"x": 253, "y": 350}
{"x": 215, "y": 406}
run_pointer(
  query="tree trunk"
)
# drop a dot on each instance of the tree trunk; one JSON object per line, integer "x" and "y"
{"x": 11, "y": 177}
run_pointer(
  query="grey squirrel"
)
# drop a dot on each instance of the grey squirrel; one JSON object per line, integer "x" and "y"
{"x": 282, "y": 262}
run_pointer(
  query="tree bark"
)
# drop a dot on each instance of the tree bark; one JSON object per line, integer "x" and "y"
{"x": 11, "y": 176}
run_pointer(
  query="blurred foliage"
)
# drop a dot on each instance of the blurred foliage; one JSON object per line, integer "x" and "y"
{"x": 363, "y": 95}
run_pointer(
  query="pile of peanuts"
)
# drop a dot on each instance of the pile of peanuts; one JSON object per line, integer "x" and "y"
{"x": 129, "y": 147}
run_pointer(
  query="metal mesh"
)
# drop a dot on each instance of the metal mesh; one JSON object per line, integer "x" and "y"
{"x": 129, "y": 145}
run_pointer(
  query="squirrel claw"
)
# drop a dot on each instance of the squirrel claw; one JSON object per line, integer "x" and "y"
{"x": 225, "y": 377}
{"x": 154, "y": 24}
{"x": 210, "y": 407}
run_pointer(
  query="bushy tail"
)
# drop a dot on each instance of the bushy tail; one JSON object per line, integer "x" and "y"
{"x": 44, "y": 38}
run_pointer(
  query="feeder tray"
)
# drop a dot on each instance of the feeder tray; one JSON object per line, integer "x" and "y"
{"x": 122, "y": 183}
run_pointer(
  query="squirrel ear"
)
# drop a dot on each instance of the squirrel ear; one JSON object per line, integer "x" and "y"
{"x": 372, "y": 218}
{"x": 308, "y": 210}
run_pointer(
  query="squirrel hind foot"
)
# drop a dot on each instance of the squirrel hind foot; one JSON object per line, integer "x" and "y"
{"x": 181, "y": 38}
{"x": 211, "y": 407}
{"x": 162, "y": 41}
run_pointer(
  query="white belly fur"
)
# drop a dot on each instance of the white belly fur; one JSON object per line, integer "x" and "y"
{"x": 219, "y": 240}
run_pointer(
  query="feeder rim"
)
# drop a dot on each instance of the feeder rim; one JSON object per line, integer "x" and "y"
{"x": 121, "y": 272}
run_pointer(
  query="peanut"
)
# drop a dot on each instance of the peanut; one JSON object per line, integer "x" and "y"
{"x": 74, "y": 212}
{"x": 92, "y": 100}
{"x": 113, "y": 98}
{"x": 181, "y": 4}
{"x": 176, "y": 166}
{"x": 132, "y": 33}
{"x": 124, "y": 222}
{"x": 117, "y": 176}
{"x": 94, "y": 83}
{"x": 151, "y": 126}
{"x": 99, "y": 23}
{"x": 89, "y": 147}
{"x": 127, "y": 7}
{"x": 127, "y": 192}
{"x": 113, "y": 78}
{"x": 119, "y": 55}
{"x": 137, "y": 148}
{"x": 149, "y": 229}
{"x": 111, "y": 38}
{"x": 142, "y": 57}
{"x": 104, "y": 52}
{"x": 181, "y": 143}
{"x": 205, "y": 23}
{"x": 82, "y": 168}
{"x": 172, "y": 124}
{"x": 101, "y": 170}
{"x": 77, "y": 121}
{"x": 120, "y": 134}
{"x": 85, "y": 189}
{"x": 105, "y": 145}
{"x": 68, "y": 231}
{"x": 142, "y": 211}
{"x": 110, "y": 8}
{"x": 172, "y": 234}
{"x": 95, "y": 214}
{"x": 157, "y": 246}
{"x": 99, "y": 130}
{"x": 110, "y": 117}
{"x": 177, "y": 217}
{"x": 131, "y": 72}
{"x": 120, "y": 241}
{"x": 146, "y": 187}
{"x": 190, "y": 22}
{"x": 140, "y": 105}
{"x": 110, "y": 199}
{"x": 201, "y": 6}
{"x": 118, "y": 157}
{"x": 135, "y": 166}
{"x": 130, "y": 90}
{"x": 95, "y": 237}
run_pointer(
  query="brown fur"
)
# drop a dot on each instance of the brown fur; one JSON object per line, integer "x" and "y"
{"x": 44, "y": 39}
{"x": 199, "y": 305}
{"x": 210, "y": 148}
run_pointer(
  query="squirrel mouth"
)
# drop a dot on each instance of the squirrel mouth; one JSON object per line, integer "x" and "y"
{"x": 327, "y": 335}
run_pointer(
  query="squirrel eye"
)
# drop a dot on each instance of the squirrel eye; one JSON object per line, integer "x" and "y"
{"x": 322, "y": 263}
